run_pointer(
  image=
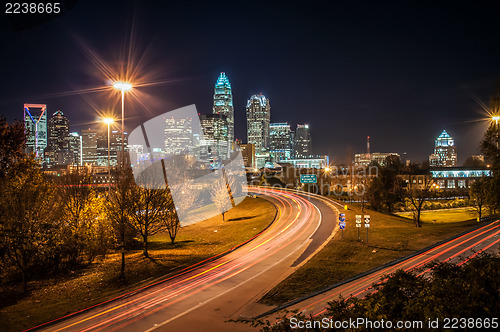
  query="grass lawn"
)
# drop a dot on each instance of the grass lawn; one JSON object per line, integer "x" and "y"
{"x": 54, "y": 297}
{"x": 445, "y": 216}
{"x": 390, "y": 237}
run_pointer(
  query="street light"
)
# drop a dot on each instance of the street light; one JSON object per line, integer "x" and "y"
{"x": 496, "y": 118}
{"x": 123, "y": 86}
{"x": 109, "y": 121}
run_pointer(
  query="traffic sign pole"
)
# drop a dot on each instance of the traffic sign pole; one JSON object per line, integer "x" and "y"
{"x": 367, "y": 225}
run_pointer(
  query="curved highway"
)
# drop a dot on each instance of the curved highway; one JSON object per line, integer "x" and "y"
{"x": 205, "y": 296}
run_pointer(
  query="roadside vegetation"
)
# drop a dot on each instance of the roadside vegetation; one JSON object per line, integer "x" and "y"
{"x": 58, "y": 294}
{"x": 451, "y": 291}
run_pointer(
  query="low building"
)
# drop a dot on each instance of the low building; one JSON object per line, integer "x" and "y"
{"x": 365, "y": 159}
{"x": 453, "y": 178}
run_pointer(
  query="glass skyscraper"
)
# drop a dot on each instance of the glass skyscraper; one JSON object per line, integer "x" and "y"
{"x": 258, "y": 121}
{"x": 303, "y": 148}
{"x": 280, "y": 141}
{"x": 35, "y": 125}
{"x": 223, "y": 104}
{"x": 57, "y": 151}
{"x": 445, "y": 151}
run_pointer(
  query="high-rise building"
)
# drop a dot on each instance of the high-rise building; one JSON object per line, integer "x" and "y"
{"x": 215, "y": 135}
{"x": 258, "y": 121}
{"x": 57, "y": 150}
{"x": 89, "y": 146}
{"x": 35, "y": 125}
{"x": 302, "y": 142}
{"x": 280, "y": 145}
{"x": 178, "y": 135}
{"x": 445, "y": 152}
{"x": 75, "y": 149}
{"x": 223, "y": 104}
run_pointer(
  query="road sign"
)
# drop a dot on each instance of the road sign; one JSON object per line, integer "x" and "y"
{"x": 342, "y": 224}
{"x": 308, "y": 178}
{"x": 342, "y": 217}
{"x": 358, "y": 220}
{"x": 367, "y": 219}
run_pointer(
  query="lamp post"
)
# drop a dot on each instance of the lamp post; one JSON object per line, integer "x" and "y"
{"x": 109, "y": 121}
{"x": 496, "y": 118}
{"x": 123, "y": 86}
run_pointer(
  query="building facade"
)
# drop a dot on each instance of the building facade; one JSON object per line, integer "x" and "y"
{"x": 258, "y": 121}
{"x": 35, "y": 126}
{"x": 223, "y": 104}
{"x": 302, "y": 143}
{"x": 178, "y": 135}
{"x": 89, "y": 146}
{"x": 365, "y": 159}
{"x": 248, "y": 154}
{"x": 453, "y": 178}
{"x": 57, "y": 151}
{"x": 445, "y": 151}
{"x": 215, "y": 137}
{"x": 281, "y": 144}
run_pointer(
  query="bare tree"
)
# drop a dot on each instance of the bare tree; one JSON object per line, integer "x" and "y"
{"x": 151, "y": 203}
{"x": 119, "y": 207}
{"x": 220, "y": 193}
{"x": 417, "y": 196}
{"x": 479, "y": 193}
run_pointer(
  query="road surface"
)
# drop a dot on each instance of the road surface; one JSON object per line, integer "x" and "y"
{"x": 204, "y": 297}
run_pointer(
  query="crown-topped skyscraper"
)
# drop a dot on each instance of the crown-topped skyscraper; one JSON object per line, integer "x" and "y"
{"x": 223, "y": 104}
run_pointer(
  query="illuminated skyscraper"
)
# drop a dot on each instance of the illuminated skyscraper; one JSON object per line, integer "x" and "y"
{"x": 302, "y": 144}
{"x": 258, "y": 121}
{"x": 280, "y": 145}
{"x": 223, "y": 104}
{"x": 89, "y": 146}
{"x": 35, "y": 125}
{"x": 57, "y": 151}
{"x": 445, "y": 152}
{"x": 215, "y": 132}
{"x": 75, "y": 149}
{"x": 178, "y": 135}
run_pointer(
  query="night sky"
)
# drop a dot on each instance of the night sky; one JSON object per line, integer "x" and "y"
{"x": 399, "y": 72}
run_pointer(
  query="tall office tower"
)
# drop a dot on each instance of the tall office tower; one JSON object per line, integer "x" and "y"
{"x": 178, "y": 136}
{"x": 445, "y": 152}
{"x": 35, "y": 125}
{"x": 258, "y": 120}
{"x": 302, "y": 144}
{"x": 89, "y": 146}
{"x": 215, "y": 132}
{"x": 280, "y": 144}
{"x": 57, "y": 150}
{"x": 115, "y": 147}
{"x": 75, "y": 149}
{"x": 223, "y": 104}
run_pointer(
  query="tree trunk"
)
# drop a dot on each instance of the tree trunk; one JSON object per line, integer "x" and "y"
{"x": 222, "y": 216}
{"x": 417, "y": 222}
{"x": 145, "y": 239}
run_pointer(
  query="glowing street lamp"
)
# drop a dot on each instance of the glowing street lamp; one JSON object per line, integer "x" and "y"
{"x": 109, "y": 121}
{"x": 123, "y": 86}
{"x": 496, "y": 118}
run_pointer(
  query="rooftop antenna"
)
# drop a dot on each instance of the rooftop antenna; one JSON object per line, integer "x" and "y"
{"x": 368, "y": 145}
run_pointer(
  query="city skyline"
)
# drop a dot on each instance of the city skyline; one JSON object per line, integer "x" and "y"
{"x": 383, "y": 85}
